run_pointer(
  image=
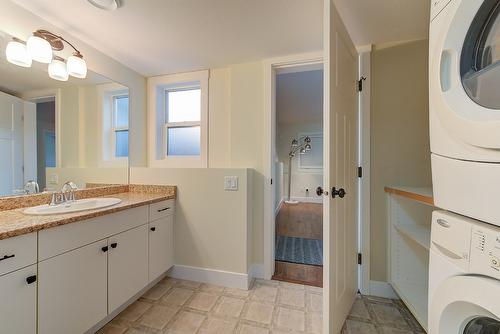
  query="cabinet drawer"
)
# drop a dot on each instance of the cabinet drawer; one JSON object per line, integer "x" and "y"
{"x": 57, "y": 240}
{"x": 17, "y": 252}
{"x": 161, "y": 209}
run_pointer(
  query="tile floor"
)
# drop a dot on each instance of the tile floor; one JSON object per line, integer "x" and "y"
{"x": 185, "y": 307}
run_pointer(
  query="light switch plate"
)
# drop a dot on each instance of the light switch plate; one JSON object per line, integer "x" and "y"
{"x": 54, "y": 179}
{"x": 231, "y": 183}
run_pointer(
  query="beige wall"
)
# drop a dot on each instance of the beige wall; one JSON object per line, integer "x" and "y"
{"x": 211, "y": 225}
{"x": 400, "y": 152}
{"x": 236, "y": 126}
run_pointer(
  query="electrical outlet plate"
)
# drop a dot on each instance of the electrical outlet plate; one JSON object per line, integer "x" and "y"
{"x": 231, "y": 183}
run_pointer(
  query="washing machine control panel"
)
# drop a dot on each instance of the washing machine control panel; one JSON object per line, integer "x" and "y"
{"x": 485, "y": 251}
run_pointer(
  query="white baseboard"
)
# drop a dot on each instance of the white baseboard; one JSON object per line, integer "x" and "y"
{"x": 382, "y": 289}
{"x": 309, "y": 199}
{"x": 212, "y": 276}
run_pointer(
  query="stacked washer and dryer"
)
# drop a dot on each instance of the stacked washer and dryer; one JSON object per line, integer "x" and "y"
{"x": 464, "y": 75}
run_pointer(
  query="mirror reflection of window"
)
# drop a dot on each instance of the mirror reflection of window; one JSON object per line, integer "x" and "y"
{"x": 121, "y": 124}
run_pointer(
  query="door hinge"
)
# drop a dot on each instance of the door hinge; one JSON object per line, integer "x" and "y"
{"x": 271, "y": 181}
{"x": 360, "y": 171}
{"x": 360, "y": 84}
{"x": 360, "y": 258}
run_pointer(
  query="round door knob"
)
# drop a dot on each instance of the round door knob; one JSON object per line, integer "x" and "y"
{"x": 319, "y": 191}
{"x": 338, "y": 192}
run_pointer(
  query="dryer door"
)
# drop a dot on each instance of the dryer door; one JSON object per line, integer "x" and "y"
{"x": 465, "y": 75}
{"x": 480, "y": 59}
{"x": 465, "y": 304}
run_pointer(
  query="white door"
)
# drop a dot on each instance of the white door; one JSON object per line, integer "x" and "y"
{"x": 18, "y": 306}
{"x": 161, "y": 246}
{"x": 127, "y": 265}
{"x": 340, "y": 164}
{"x": 72, "y": 290}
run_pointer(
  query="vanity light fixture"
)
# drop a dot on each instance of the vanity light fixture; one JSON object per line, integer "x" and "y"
{"x": 58, "y": 69}
{"x": 40, "y": 47}
{"x": 17, "y": 53}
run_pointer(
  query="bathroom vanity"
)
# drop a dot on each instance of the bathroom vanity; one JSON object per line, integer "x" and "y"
{"x": 71, "y": 273}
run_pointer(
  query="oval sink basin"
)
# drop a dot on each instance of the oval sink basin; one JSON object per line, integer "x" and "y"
{"x": 76, "y": 206}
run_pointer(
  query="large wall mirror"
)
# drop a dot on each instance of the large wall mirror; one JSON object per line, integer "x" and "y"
{"x": 54, "y": 131}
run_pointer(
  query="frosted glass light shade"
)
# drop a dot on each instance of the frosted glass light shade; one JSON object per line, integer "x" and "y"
{"x": 17, "y": 54}
{"x": 77, "y": 67}
{"x": 39, "y": 49}
{"x": 58, "y": 70}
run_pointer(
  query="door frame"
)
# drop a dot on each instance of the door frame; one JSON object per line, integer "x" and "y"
{"x": 303, "y": 61}
{"x": 271, "y": 66}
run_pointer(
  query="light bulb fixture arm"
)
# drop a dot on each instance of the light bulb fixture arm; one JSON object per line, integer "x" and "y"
{"x": 56, "y": 41}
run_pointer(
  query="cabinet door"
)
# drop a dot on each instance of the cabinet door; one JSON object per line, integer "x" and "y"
{"x": 161, "y": 246}
{"x": 127, "y": 265}
{"x": 18, "y": 301}
{"x": 72, "y": 290}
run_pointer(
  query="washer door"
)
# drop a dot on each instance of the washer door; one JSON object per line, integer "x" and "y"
{"x": 466, "y": 305}
{"x": 465, "y": 72}
{"x": 482, "y": 325}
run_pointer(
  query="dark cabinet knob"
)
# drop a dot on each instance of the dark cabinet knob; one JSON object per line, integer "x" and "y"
{"x": 114, "y": 245}
{"x": 340, "y": 192}
{"x": 5, "y": 257}
{"x": 164, "y": 209}
{"x": 31, "y": 279}
{"x": 153, "y": 229}
{"x": 319, "y": 191}
{"x": 105, "y": 249}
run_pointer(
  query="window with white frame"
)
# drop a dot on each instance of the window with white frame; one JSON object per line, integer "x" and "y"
{"x": 178, "y": 116}
{"x": 120, "y": 124}
{"x": 114, "y": 124}
{"x": 183, "y": 121}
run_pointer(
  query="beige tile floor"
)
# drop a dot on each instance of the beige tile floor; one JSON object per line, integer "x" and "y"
{"x": 185, "y": 307}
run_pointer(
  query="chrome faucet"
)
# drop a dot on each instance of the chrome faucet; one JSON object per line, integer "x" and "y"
{"x": 68, "y": 190}
{"x": 31, "y": 187}
{"x": 67, "y": 194}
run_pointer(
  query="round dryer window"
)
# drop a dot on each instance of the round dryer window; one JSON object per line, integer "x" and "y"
{"x": 482, "y": 325}
{"x": 480, "y": 59}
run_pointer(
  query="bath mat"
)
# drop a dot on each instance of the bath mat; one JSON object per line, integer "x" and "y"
{"x": 299, "y": 250}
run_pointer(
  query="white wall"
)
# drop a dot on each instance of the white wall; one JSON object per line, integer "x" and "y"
{"x": 301, "y": 179}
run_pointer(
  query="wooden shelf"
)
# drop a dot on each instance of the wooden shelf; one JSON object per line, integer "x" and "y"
{"x": 419, "y": 194}
{"x": 418, "y": 233}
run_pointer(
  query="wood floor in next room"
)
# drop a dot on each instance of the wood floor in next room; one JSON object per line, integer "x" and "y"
{"x": 299, "y": 223}
{"x": 269, "y": 307}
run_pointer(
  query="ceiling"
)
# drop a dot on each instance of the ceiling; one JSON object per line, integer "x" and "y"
{"x": 22, "y": 79}
{"x": 163, "y": 36}
{"x": 299, "y": 97}
{"x": 385, "y": 21}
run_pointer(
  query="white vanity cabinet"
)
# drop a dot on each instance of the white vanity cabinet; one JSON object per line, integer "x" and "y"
{"x": 127, "y": 265}
{"x": 72, "y": 290}
{"x": 161, "y": 241}
{"x": 90, "y": 268}
{"x": 18, "y": 276}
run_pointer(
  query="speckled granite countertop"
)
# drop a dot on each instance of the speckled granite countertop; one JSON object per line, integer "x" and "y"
{"x": 15, "y": 222}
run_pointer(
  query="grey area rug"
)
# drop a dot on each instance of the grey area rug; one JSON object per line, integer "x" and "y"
{"x": 299, "y": 250}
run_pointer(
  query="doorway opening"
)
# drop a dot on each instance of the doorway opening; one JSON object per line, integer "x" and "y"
{"x": 45, "y": 138}
{"x": 298, "y": 171}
